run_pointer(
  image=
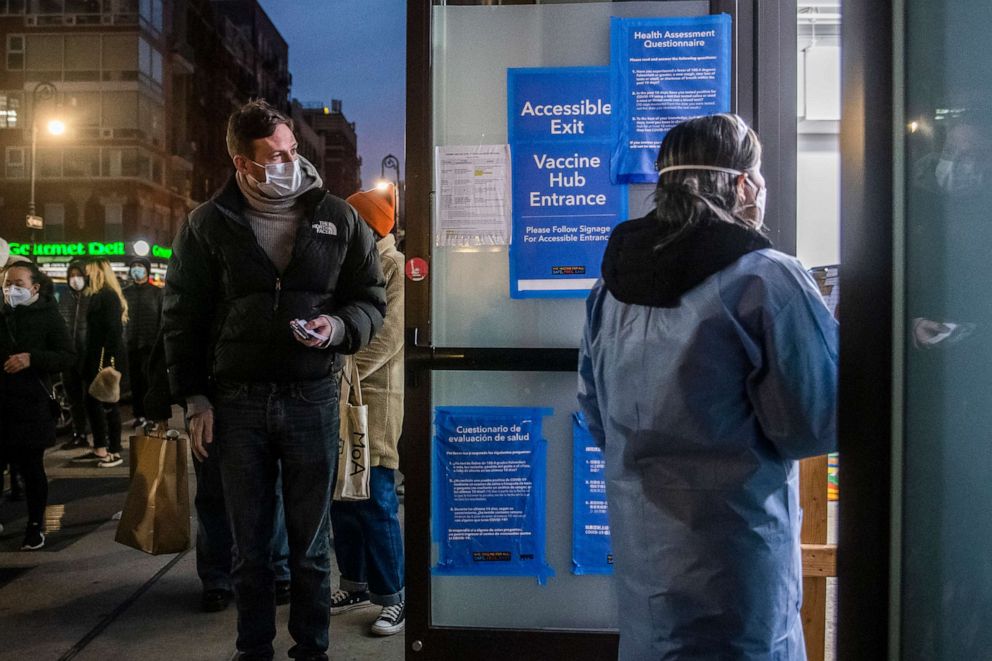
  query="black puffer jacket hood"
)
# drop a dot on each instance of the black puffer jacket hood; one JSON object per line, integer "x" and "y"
{"x": 636, "y": 273}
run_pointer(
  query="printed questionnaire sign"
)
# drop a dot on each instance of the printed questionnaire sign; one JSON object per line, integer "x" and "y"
{"x": 473, "y": 207}
{"x": 489, "y": 491}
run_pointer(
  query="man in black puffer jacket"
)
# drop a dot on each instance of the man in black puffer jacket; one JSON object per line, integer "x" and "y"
{"x": 270, "y": 248}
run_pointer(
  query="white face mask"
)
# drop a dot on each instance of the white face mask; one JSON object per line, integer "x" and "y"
{"x": 16, "y": 295}
{"x": 760, "y": 196}
{"x": 281, "y": 179}
{"x": 77, "y": 283}
{"x": 139, "y": 272}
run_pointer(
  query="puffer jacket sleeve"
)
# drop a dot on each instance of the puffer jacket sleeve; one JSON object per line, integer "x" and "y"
{"x": 794, "y": 394}
{"x": 588, "y": 395}
{"x": 187, "y": 314}
{"x": 361, "y": 293}
{"x": 59, "y": 353}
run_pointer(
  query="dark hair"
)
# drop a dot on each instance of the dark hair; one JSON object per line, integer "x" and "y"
{"x": 46, "y": 288}
{"x": 78, "y": 266}
{"x": 685, "y": 198}
{"x": 252, "y": 121}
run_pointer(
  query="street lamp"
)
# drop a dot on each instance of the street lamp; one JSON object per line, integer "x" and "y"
{"x": 43, "y": 91}
{"x": 390, "y": 161}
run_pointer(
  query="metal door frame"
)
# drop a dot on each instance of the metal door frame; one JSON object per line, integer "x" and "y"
{"x": 764, "y": 41}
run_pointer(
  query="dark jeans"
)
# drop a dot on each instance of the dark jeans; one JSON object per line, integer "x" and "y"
{"x": 75, "y": 390}
{"x": 105, "y": 420}
{"x": 31, "y": 462}
{"x": 137, "y": 362}
{"x": 368, "y": 542}
{"x": 257, "y": 428}
{"x": 214, "y": 543}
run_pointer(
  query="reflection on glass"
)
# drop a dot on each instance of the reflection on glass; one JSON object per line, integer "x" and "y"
{"x": 947, "y": 568}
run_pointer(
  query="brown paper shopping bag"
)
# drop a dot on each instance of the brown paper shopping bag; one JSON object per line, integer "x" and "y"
{"x": 156, "y": 513}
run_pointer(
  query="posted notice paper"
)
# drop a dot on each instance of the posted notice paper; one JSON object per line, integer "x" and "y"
{"x": 473, "y": 199}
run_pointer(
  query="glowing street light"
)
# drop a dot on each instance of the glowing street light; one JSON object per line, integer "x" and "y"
{"x": 141, "y": 248}
{"x": 43, "y": 91}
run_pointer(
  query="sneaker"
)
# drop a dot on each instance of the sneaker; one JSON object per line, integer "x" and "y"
{"x": 343, "y": 601}
{"x": 138, "y": 422}
{"x": 88, "y": 457}
{"x": 391, "y": 620}
{"x": 110, "y": 461}
{"x": 34, "y": 539}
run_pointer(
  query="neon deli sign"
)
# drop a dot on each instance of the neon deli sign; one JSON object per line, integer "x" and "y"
{"x": 80, "y": 249}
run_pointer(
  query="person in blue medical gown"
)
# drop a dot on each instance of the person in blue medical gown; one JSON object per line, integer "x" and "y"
{"x": 708, "y": 367}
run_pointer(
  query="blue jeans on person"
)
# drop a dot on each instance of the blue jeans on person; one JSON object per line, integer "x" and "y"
{"x": 368, "y": 542}
{"x": 257, "y": 428}
{"x": 214, "y": 543}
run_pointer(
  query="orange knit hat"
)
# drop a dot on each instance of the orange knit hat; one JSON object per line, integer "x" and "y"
{"x": 376, "y": 207}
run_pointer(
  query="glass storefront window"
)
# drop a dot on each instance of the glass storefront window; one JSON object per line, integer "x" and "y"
{"x": 947, "y": 414}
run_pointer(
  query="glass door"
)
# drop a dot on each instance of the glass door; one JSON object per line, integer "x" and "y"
{"x": 474, "y": 342}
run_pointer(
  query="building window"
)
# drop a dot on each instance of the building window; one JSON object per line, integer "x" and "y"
{"x": 10, "y": 109}
{"x": 120, "y": 57}
{"x": 150, "y": 61}
{"x": 120, "y": 110}
{"x": 11, "y": 7}
{"x": 16, "y": 164}
{"x": 46, "y": 7}
{"x": 15, "y": 52}
{"x": 44, "y": 54}
{"x": 151, "y": 14}
{"x": 82, "y": 57}
{"x": 54, "y": 214}
{"x": 82, "y": 162}
{"x": 49, "y": 163}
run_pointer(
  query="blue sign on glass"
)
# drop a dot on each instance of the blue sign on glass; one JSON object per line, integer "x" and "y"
{"x": 591, "y": 548}
{"x": 489, "y": 491}
{"x": 564, "y": 204}
{"x": 664, "y": 71}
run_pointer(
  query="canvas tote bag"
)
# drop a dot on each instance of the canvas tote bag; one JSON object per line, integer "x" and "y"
{"x": 156, "y": 513}
{"x": 352, "y": 481}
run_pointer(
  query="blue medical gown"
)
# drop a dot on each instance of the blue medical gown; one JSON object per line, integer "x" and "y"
{"x": 703, "y": 410}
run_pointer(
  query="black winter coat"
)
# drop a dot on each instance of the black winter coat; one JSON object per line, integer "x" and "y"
{"x": 227, "y": 309}
{"x": 104, "y": 331}
{"x": 73, "y": 306}
{"x": 144, "y": 311}
{"x": 26, "y": 419}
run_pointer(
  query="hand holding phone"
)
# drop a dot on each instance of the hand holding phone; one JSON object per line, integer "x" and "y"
{"x": 306, "y": 335}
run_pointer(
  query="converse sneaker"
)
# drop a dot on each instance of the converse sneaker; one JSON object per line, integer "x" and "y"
{"x": 110, "y": 461}
{"x": 391, "y": 620}
{"x": 34, "y": 539}
{"x": 343, "y": 601}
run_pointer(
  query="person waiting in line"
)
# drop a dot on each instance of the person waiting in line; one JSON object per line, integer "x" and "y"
{"x": 214, "y": 544}
{"x": 144, "y": 303}
{"x": 707, "y": 368}
{"x": 74, "y": 307}
{"x": 368, "y": 541}
{"x": 269, "y": 282}
{"x": 34, "y": 343}
{"x": 105, "y": 321}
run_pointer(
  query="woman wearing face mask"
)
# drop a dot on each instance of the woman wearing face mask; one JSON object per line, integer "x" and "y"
{"x": 708, "y": 367}
{"x": 34, "y": 343}
{"x": 105, "y": 321}
{"x": 74, "y": 305}
{"x": 144, "y": 304}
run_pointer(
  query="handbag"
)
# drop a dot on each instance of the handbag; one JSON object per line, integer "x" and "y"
{"x": 156, "y": 514}
{"x": 106, "y": 385}
{"x": 352, "y": 481}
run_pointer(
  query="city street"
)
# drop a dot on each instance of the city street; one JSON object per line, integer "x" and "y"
{"x": 84, "y": 596}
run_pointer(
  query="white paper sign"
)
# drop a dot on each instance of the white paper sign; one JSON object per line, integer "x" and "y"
{"x": 473, "y": 200}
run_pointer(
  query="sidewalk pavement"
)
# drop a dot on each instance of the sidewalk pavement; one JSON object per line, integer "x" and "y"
{"x": 86, "y": 597}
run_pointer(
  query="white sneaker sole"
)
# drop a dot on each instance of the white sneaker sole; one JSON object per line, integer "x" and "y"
{"x": 351, "y": 607}
{"x": 388, "y": 631}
